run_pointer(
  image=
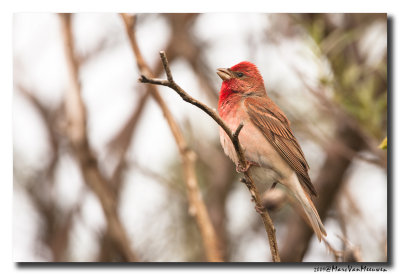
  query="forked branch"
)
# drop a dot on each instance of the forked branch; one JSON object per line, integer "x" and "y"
{"x": 234, "y": 137}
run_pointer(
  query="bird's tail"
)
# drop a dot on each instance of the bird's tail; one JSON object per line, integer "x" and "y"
{"x": 311, "y": 213}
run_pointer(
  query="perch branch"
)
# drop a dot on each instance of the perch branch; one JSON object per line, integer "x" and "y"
{"x": 196, "y": 204}
{"x": 234, "y": 137}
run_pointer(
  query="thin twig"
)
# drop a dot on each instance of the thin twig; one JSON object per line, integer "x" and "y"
{"x": 337, "y": 254}
{"x": 236, "y": 134}
{"x": 192, "y": 50}
{"x": 234, "y": 137}
{"x": 196, "y": 204}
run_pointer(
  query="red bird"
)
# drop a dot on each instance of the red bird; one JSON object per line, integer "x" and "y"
{"x": 269, "y": 145}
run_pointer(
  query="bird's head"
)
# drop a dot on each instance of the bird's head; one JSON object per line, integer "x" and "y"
{"x": 243, "y": 78}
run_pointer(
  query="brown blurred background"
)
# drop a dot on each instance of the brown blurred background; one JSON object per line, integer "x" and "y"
{"x": 116, "y": 191}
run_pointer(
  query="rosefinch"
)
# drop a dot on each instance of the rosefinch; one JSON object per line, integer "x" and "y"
{"x": 273, "y": 153}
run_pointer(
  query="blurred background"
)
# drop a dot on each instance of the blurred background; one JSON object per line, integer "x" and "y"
{"x": 327, "y": 72}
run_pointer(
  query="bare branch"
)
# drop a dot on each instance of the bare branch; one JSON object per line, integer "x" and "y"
{"x": 186, "y": 97}
{"x": 119, "y": 145}
{"x": 196, "y": 203}
{"x": 337, "y": 254}
{"x": 236, "y": 143}
{"x": 191, "y": 49}
{"x": 234, "y": 136}
{"x": 76, "y": 115}
{"x": 237, "y": 132}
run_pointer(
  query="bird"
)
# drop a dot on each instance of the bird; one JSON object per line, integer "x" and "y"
{"x": 273, "y": 153}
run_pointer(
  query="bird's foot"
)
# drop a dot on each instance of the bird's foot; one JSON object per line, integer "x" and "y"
{"x": 260, "y": 209}
{"x": 241, "y": 169}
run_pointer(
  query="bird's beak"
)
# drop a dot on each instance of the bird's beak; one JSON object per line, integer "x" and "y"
{"x": 224, "y": 74}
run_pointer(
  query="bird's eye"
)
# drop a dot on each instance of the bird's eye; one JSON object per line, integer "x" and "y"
{"x": 240, "y": 74}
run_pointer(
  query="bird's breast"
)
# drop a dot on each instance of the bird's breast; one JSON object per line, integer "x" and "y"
{"x": 232, "y": 118}
{"x": 271, "y": 167}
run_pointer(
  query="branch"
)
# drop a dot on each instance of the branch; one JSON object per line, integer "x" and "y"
{"x": 186, "y": 97}
{"x": 196, "y": 204}
{"x": 119, "y": 145}
{"x": 49, "y": 118}
{"x": 190, "y": 49}
{"x": 234, "y": 137}
{"x": 77, "y": 134}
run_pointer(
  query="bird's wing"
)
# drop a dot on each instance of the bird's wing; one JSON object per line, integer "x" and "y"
{"x": 274, "y": 125}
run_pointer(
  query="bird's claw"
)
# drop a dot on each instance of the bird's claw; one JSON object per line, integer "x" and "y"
{"x": 260, "y": 209}
{"x": 241, "y": 169}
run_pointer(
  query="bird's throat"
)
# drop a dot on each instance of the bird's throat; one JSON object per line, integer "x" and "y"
{"x": 228, "y": 100}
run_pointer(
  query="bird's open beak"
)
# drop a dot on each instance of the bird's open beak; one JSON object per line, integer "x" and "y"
{"x": 224, "y": 74}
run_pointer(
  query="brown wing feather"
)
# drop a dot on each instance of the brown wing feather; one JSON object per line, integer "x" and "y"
{"x": 276, "y": 128}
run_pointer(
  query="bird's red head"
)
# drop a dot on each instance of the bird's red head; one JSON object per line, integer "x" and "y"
{"x": 241, "y": 79}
